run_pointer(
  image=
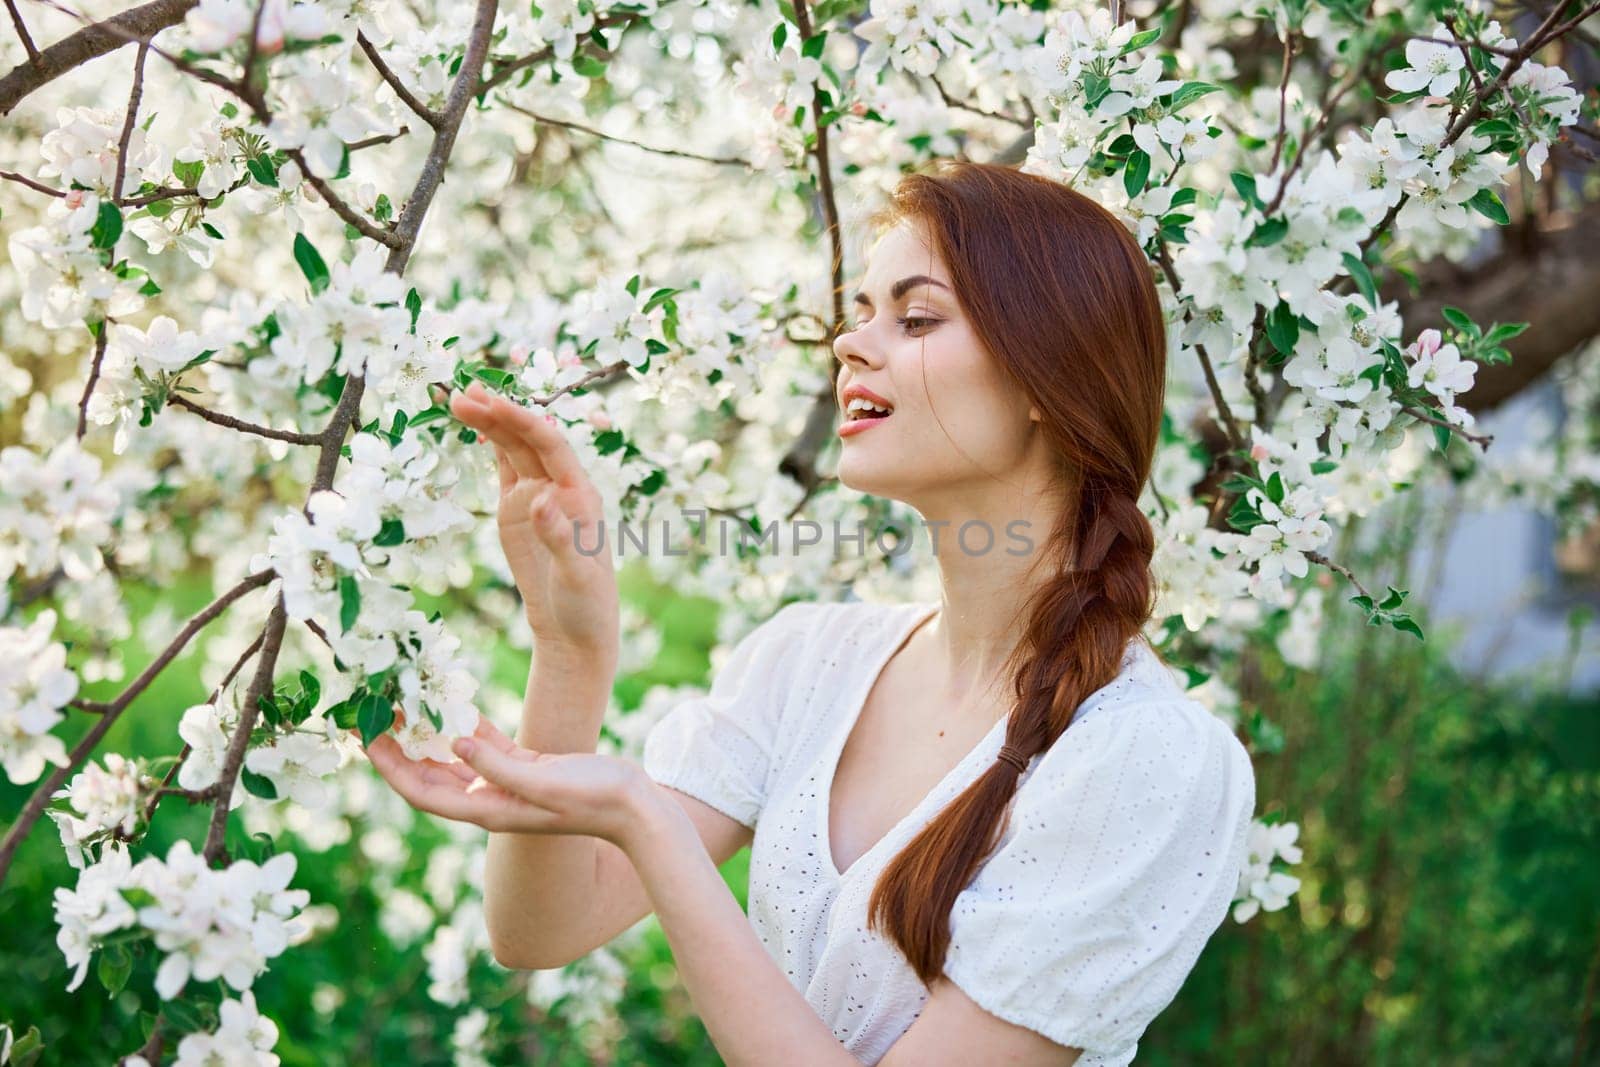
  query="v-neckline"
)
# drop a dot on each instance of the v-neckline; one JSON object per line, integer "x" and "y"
{"x": 835, "y": 753}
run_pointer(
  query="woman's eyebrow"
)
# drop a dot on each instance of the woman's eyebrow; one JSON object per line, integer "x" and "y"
{"x": 901, "y": 287}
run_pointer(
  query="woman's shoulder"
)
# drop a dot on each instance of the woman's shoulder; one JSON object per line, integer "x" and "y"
{"x": 1143, "y": 725}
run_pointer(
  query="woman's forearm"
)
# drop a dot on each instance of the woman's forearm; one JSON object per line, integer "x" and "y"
{"x": 539, "y": 891}
{"x": 753, "y": 1013}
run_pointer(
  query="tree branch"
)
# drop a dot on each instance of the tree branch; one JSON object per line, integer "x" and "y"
{"x": 91, "y": 42}
{"x": 422, "y": 111}
{"x": 291, "y": 436}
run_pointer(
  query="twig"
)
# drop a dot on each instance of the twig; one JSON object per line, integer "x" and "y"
{"x": 377, "y": 139}
{"x": 800, "y": 462}
{"x": 1338, "y": 568}
{"x": 598, "y": 374}
{"x": 1283, "y": 113}
{"x": 423, "y": 111}
{"x": 249, "y": 708}
{"x": 503, "y": 73}
{"x": 23, "y": 179}
{"x": 579, "y": 128}
{"x": 291, "y": 436}
{"x": 94, "y": 376}
{"x": 1229, "y": 424}
{"x": 22, "y": 32}
{"x": 1479, "y": 439}
{"x": 962, "y": 105}
{"x": 104, "y": 332}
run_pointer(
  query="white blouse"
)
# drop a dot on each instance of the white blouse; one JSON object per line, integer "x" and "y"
{"x": 1123, "y": 851}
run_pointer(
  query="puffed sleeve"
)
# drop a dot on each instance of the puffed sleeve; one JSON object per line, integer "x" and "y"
{"x": 718, "y": 747}
{"x": 1119, "y": 863}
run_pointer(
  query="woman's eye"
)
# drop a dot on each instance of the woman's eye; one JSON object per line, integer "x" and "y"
{"x": 912, "y": 323}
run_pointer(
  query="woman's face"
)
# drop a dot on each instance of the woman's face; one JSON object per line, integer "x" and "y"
{"x": 957, "y": 421}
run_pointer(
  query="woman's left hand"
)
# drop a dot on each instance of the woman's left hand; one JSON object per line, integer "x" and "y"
{"x": 506, "y": 788}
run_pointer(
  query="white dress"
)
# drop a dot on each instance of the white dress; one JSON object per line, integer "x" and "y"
{"x": 1123, "y": 851}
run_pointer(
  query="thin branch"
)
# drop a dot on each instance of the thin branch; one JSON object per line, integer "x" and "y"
{"x": 1495, "y": 49}
{"x": 423, "y": 111}
{"x": 249, "y": 708}
{"x": 23, "y": 179}
{"x": 169, "y": 192}
{"x": 109, "y": 713}
{"x": 128, "y": 121}
{"x": 377, "y": 139}
{"x": 444, "y": 138}
{"x": 1229, "y": 424}
{"x": 22, "y": 32}
{"x": 291, "y": 436}
{"x": 1338, "y": 568}
{"x": 591, "y": 131}
{"x": 504, "y": 71}
{"x": 1283, "y": 113}
{"x": 94, "y": 376}
{"x": 800, "y": 461}
{"x": 962, "y": 105}
{"x": 610, "y": 370}
{"x": 1482, "y": 440}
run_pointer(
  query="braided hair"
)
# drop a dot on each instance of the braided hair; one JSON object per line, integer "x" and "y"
{"x": 1065, "y": 301}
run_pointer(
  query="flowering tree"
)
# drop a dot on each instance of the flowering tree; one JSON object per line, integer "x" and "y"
{"x": 254, "y": 247}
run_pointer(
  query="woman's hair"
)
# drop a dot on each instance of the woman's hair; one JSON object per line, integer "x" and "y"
{"x": 1064, "y": 300}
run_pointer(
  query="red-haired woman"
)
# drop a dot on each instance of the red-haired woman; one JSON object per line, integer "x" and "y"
{"x": 985, "y": 829}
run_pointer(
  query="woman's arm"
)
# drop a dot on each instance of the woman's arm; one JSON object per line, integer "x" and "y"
{"x": 754, "y": 1015}
{"x": 539, "y": 891}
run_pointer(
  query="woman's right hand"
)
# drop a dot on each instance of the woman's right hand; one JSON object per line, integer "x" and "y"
{"x": 547, "y": 503}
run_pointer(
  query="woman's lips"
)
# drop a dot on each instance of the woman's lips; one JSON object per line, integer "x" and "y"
{"x": 851, "y": 427}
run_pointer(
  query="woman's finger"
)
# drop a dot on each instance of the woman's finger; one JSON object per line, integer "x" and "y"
{"x": 492, "y": 734}
{"x": 502, "y": 464}
{"x": 515, "y": 776}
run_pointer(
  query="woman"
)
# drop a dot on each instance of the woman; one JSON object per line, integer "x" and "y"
{"x": 990, "y": 829}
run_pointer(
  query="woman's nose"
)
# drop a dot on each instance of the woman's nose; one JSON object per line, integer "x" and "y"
{"x": 849, "y": 348}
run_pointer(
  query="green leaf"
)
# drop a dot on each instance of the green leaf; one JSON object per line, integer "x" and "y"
{"x": 107, "y": 225}
{"x": 344, "y": 162}
{"x": 1362, "y": 277}
{"x": 1503, "y": 331}
{"x": 1136, "y": 173}
{"x": 113, "y": 968}
{"x": 311, "y": 263}
{"x": 1275, "y": 490}
{"x": 1269, "y": 232}
{"x": 188, "y": 174}
{"x": 1489, "y": 206}
{"x": 349, "y": 602}
{"x": 392, "y": 532}
{"x": 1459, "y": 319}
{"x": 414, "y": 305}
{"x": 259, "y": 784}
{"x": 310, "y": 691}
{"x": 588, "y": 67}
{"x": 1139, "y": 40}
{"x": 375, "y": 717}
{"x": 1283, "y": 328}
{"x": 811, "y": 47}
{"x": 271, "y": 710}
{"x": 1245, "y": 185}
{"x": 780, "y": 34}
{"x": 262, "y": 170}
{"x": 1189, "y": 92}
{"x": 633, "y": 286}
